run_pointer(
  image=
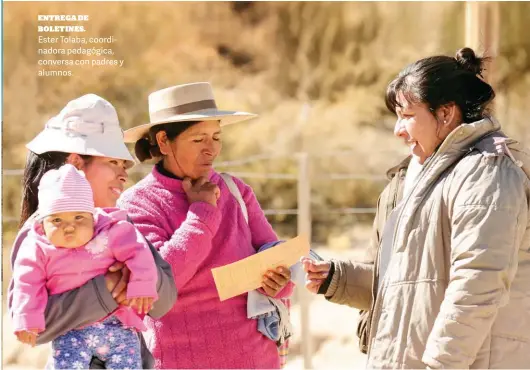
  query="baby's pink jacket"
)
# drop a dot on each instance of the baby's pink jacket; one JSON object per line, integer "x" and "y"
{"x": 41, "y": 268}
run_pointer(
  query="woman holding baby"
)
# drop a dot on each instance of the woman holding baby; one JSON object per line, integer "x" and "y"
{"x": 83, "y": 286}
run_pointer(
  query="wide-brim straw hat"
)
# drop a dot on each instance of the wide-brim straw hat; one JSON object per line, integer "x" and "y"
{"x": 184, "y": 103}
{"x": 87, "y": 125}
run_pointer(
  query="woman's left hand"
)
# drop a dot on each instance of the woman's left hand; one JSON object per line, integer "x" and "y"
{"x": 117, "y": 278}
{"x": 275, "y": 280}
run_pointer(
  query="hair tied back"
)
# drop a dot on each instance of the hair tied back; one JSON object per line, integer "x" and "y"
{"x": 467, "y": 60}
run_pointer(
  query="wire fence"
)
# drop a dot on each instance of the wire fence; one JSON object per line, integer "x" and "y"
{"x": 302, "y": 179}
{"x": 295, "y": 177}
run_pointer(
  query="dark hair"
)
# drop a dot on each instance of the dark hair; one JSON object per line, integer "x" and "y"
{"x": 440, "y": 80}
{"x": 36, "y": 166}
{"x": 147, "y": 147}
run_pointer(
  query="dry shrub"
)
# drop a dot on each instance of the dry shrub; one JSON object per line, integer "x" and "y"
{"x": 315, "y": 72}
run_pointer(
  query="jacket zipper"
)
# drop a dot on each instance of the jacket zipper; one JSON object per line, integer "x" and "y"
{"x": 398, "y": 183}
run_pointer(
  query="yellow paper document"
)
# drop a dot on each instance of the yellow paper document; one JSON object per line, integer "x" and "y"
{"x": 246, "y": 274}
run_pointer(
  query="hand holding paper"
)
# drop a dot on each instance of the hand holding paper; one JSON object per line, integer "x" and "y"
{"x": 275, "y": 280}
{"x": 246, "y": 275}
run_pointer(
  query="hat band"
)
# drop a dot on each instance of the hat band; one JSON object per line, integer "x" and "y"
{"x": 76, "y": 127}
{"x": 163, "y": 114}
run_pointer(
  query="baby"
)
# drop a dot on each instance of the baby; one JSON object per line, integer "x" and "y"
{"x": 70, "y": 243}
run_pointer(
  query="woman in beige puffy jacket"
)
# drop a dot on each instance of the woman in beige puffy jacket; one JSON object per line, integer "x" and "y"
{"x": 450, "y": 285}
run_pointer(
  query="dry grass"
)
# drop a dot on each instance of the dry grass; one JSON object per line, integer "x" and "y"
{"x": 314, "y": 72}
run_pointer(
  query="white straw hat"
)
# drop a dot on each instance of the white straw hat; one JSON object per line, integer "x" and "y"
{"x": 87, "y": 125}
{"x": 184, "y": 103}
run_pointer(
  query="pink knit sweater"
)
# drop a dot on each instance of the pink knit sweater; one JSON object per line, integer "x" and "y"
{"x": 200, "y": 331}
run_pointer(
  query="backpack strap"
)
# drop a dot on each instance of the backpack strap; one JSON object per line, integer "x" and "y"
{"x": 229, "y": 181}
{"x": 281, "y": 306}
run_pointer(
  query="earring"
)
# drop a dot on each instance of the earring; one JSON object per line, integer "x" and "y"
{"x": 445, "y": 122}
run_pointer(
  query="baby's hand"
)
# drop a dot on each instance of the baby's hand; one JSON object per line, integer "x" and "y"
{"x": 143, "y": 304}
{"x": 28, "y": 336}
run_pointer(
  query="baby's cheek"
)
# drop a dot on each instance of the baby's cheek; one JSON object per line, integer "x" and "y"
{"x": 85, "y": 235}
{"x": 55, "y": 236}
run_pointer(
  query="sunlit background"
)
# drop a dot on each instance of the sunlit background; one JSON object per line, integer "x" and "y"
{"x": 316, "y": 75}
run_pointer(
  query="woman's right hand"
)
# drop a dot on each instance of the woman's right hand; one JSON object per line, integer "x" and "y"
{"x": 116, "y": 279}
{"x": 201, "y": 190}
{"x": 316, "y": 273}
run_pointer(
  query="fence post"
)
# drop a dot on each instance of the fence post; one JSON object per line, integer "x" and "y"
{"x": 304, "y": 227}
{"x": 483, "y": 31}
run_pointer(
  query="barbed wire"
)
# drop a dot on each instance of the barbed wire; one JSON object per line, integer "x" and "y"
{"x": 252, "y": 175}
{"x": 277, "y": 212}
{"x": 238, "y": 162}
{"x": 146, "y": 168}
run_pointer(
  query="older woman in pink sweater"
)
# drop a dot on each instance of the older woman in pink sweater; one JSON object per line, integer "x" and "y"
{"x": 184, "y": 208}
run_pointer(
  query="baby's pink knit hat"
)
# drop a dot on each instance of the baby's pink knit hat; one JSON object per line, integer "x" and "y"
{"x": 65, "y": 190}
